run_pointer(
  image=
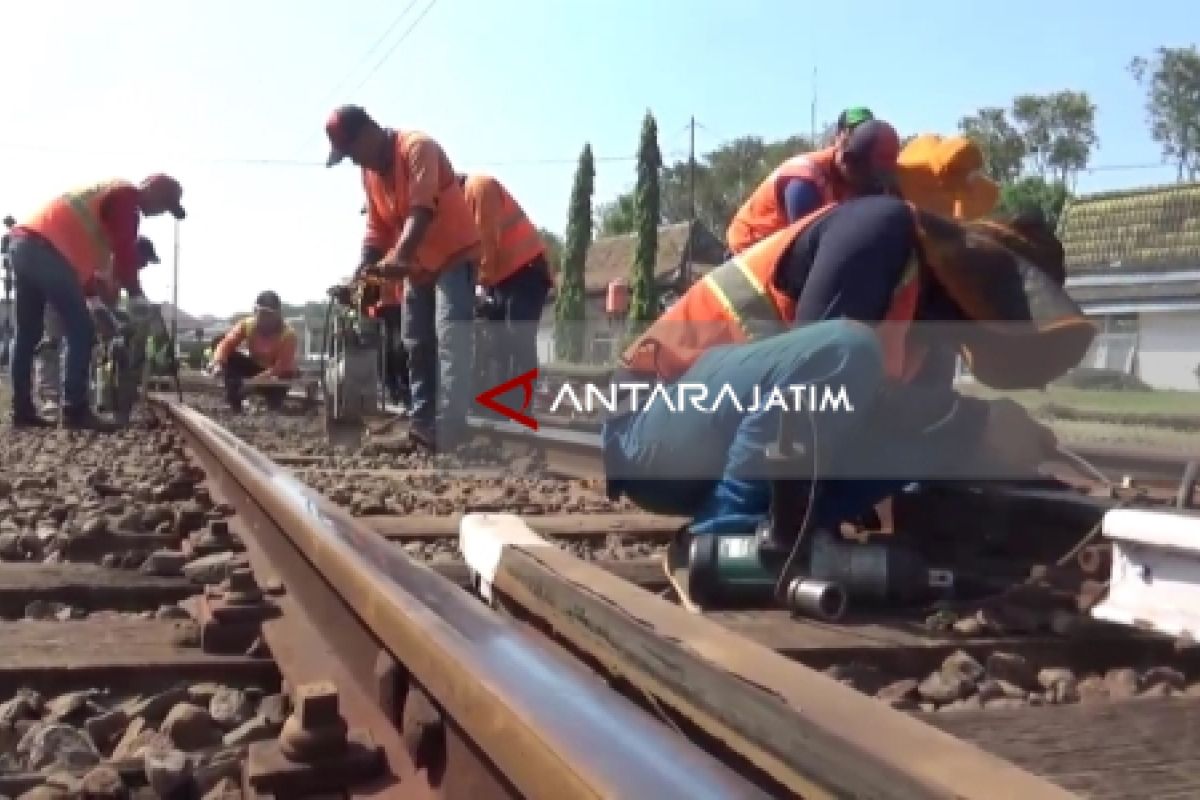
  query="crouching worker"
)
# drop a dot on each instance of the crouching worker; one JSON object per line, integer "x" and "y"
{"x": 866, "y": 302}
{"x": 270, "y": 353}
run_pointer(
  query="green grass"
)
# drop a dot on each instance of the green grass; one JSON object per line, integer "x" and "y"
{"x": 1101, "y": 402}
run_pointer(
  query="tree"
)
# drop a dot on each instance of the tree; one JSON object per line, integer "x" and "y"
{"x": 1034, "y": 193}
{"x": 554, "y": 248}
{"x": 1001, "y": 143}
{"x": 1059, "y": 131}
{"x": 643, "y": 304}
{"x": 616, "y": 218}
{"x": 1171, "y": 78}
{"x": 569, "y": 304}
{"x": 725, "y": 177}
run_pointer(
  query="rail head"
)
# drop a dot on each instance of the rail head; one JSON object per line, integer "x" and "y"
{"x": 551, "y": 730}
{"x": 807, "y": 731}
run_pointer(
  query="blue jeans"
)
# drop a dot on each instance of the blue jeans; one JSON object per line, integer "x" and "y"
{"x": 522, "y": 298}
{"x": 439, "y": 338}
{"x": 711, "y": 466}
{"x": 43, "y": 277}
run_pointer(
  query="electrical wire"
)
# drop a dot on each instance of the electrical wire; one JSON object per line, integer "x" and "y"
{"x": 395, "y": 45}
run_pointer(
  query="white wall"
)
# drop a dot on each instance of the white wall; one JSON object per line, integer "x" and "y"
{"x": 1169, "y": 349}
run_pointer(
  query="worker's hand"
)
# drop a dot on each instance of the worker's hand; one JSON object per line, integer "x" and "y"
{"x": 391, "y": 268}
{"x": 216, "y": 369}
{"x": 1012, "y": 440}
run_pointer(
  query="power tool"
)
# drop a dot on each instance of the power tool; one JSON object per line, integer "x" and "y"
{"x": 802, "y": 565}
{"x": 350, "y": 373}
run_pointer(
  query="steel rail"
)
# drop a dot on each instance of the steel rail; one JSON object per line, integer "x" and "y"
{"x": 578, "y": 453}
{"x": 810, "y": 734}
{"x": 545, "y": 724}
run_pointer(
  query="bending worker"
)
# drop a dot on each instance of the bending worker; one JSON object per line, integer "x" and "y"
{"x": 860, "y": 162}
{"x": 80, "y": 243}
{"x": 49, "y": 365}
{"x": 270, "y": 353}
{"x": 855, "y": 298}
{"x": 420, "y": 228}
{"x": 513, "y": 269}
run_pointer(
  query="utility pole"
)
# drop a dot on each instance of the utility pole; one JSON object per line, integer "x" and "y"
{"x": 175, "y": 293}
{"x": 687, "y": 258}
{"x": 813, "y": 111}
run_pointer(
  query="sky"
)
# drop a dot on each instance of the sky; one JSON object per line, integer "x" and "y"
{"x": 231, "y": 98}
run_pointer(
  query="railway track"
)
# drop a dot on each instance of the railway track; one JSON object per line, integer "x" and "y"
{"x": 213, "y": 607}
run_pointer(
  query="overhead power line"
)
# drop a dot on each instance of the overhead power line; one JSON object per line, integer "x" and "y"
{"x": 395, "y": 45}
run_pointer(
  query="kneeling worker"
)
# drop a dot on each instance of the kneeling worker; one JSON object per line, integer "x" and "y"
{"x": 513, "y": 270}
{"x": 270, "y": 352}
{"x": 834, "y": 301}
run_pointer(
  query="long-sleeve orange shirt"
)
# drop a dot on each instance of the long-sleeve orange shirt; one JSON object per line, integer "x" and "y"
{"x": 276, "y": 353}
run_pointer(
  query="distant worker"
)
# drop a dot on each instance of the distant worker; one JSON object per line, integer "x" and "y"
{"x": 49, "y": 364}
{"x": 389, "y": 310}
{"x": 860, "y": 162}
{"x": 420, "y": 228}
{"x": 80, "y": 244}
{"x": 513, "y": 269}
{"x": 271, "y": 346}
{"x": 850, "y": 119}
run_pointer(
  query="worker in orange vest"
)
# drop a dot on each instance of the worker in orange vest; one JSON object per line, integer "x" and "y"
{"x": 271, "y": 346}
{"x": 389, "y": 311}
{"x": 419, "y": 228}
{"x": 859, "y": 301}
{"x": 860, "y": 162}
{"x": 80, "y": 243}
{"x": 513, "y": 270}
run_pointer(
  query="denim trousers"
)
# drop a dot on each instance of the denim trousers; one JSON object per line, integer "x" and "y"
{"x": 44, "y": 278}
{"x": 439, "y": 337}
{"x": 711, "y": 465}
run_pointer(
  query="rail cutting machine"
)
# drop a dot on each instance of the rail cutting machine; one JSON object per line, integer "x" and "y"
{"x": 350, "y": 372}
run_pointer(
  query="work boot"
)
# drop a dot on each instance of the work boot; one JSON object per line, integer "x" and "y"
{"x": 84, "y": 419}
{"x": 29, "y": 419}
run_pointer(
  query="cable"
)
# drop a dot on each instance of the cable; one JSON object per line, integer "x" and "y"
{"x": 397, "y": 43}
{"x": 387, "y": 32}
{"x": 337, "y": 88}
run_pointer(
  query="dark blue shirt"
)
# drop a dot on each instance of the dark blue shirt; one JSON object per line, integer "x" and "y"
{"x": 800, "y": 198}
{"x": 847, "y": 265}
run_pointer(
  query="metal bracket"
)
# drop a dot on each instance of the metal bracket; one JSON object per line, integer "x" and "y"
{"x": 1155, "y": 581}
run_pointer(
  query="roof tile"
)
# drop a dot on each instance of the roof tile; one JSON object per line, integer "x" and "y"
{"x": 1147, "y": 228}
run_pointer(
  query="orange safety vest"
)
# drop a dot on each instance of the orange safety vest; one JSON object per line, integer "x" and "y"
{"x": 264, "y": 349}
{"x": 738, "y": 302}
{"x": 391, "y": 294}
{"x": 510, "y": 241}
{"x": 763, "y": 213}
{"x": 72, "y": 223}
{"x": 451, "y": 237}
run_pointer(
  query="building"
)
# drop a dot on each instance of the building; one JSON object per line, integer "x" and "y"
{"x": 610, "y": 259}
{"x": 1133, "y": 265}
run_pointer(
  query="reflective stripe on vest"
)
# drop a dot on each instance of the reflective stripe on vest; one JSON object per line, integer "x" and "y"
{"x": 71, "y": 223}
{"x": 81, "y": 203}
{"x": 745, "y": 299}
{"x": 271, "y": 351}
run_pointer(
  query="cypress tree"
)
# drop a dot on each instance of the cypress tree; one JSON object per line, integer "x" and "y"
{"x": 643, "y": 302}
{"x": 569, "y": 304}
